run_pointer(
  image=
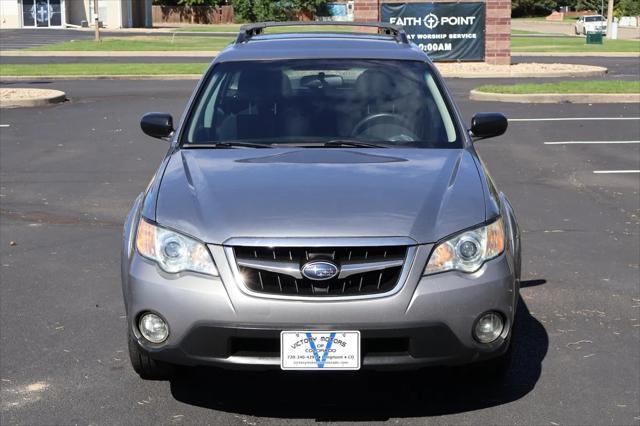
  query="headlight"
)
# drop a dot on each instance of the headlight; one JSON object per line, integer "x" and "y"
{"x": 173, "y": 252}
{"x": 468, "y": 251}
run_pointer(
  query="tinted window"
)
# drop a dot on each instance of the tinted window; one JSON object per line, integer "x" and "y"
{"x": 56, "y": 16}
{"x": 28, "y": 13}
{"x": 594, "y": 18}
{"x": 314, "y": 101}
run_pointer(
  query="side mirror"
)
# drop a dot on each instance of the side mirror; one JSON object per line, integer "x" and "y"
{"x": 488, "y": 125}
{"x": 157, "y": 124}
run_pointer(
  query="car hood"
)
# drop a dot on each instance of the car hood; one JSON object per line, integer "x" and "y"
{"x": 217, "y": 194}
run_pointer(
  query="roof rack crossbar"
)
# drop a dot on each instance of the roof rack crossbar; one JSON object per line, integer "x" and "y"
{"x": 250, "y": 30}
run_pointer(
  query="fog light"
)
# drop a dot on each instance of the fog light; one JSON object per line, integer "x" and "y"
{"x": 153, "y": 328}
{"x": 488, "y": 327}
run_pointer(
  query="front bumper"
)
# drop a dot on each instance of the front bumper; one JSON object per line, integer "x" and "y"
{"x": 602, "y": 30}
{"x": 428, "y": 321}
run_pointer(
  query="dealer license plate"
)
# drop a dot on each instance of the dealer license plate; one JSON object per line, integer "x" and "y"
{"x": 320, "y": 350}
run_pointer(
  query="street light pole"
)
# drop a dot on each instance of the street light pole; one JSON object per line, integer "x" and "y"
{"x": 609, "y": 18}
{"x": 96, "y": 19}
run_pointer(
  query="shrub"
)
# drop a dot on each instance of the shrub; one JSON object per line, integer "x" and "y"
{"x": 269, "y": 10}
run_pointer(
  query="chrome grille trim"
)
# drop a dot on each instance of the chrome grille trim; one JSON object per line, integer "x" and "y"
{"x": 348, "y": 269}
{"x": 291, "y": 269}
{"x": 406, "y": 266}
{"x": 320, "y": 242}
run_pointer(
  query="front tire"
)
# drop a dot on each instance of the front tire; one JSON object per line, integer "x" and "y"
{"x": 497, "y": 369}
{"x": 146, "y": 367}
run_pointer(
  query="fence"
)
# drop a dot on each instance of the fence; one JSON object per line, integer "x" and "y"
{"x": 192, "y": 15}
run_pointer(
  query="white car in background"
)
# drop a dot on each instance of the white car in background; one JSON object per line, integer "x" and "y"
{"x": 590, "y": 24}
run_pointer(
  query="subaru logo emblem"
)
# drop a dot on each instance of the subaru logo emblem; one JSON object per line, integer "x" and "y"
{"x": 319, "y": 270}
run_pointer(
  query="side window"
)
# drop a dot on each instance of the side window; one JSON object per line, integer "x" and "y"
{"x": 203, "y": 115}
{"x": 442, "y": 111}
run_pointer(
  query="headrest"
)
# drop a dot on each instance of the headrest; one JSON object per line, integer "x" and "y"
{"x": 261, "y": 83}
{"x": 375, "y": 84}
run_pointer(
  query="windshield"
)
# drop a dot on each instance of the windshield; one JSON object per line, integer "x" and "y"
{"x": 594, "y": 19}
{"x": 322, "y": 103}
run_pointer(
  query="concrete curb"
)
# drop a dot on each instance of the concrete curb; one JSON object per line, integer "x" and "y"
{"x": 556, "y": 98}
{"x": 46, "y": 98}
{"x": 578, "y": 54}
{"x": 112, "y": 53}
{"x": 593, "y": 71}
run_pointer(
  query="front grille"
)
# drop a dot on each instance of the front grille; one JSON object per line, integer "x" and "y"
{"x": 363, "y": 270}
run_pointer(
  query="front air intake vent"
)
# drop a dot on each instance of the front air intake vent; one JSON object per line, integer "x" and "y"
{"x": 358, "y": 270}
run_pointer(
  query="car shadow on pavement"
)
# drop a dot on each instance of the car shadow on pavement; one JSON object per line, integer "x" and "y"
{"x": 367, "y": 396}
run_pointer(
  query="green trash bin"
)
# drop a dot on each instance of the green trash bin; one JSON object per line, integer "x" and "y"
{"x": 594, "y": 37}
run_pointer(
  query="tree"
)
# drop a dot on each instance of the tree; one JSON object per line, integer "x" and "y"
{"x": 589, "y": 5}
{"x": 302, "y": 6}
{"x": 628, "y": 8}
{"x": 532, "y": 7}
{"x": 270, "y": 10}
{"x": 190, "y": 3}
{"x": 243, "y": 10}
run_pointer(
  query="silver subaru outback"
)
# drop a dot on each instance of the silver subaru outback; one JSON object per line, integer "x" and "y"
{"x": 321, "y": 207}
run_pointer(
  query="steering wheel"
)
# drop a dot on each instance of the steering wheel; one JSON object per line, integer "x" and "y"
{"x": 386, "y": 118}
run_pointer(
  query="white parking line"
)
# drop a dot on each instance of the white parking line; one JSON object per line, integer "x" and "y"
{"x": 575, "y": 119}
{"x": 588, "y": 142}
{"x": 5, "y": 125}
{"x": 602, "y": 172}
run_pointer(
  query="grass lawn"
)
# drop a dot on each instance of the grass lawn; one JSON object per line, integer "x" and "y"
{"x": 571, "y": 44}
{"x": 603, "y": 86}
{"x": 276, "y": 30}
{"x": 207, "y": 43}
{"x": 543, "y": 19}
{"x": 524, "y": 32}
{"x": 142, "y": 43}
{"x": 222, "y": 28}
{"x": 99, "y": 69}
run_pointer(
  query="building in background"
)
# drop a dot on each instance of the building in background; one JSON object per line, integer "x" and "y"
{"x": 69, "y": 13}
{"x": 339, "y": 11}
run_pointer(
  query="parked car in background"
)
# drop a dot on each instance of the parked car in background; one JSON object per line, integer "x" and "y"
{"x": 321, "y": 206}
{"x": 590, "y": 24}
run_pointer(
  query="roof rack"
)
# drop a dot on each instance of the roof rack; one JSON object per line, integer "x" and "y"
{"x": 250, "y": 30}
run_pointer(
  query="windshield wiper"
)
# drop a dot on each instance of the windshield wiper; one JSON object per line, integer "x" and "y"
{"x": 355, "y": 144}
{"x": 328, "y": 144}
{"x": 227, "y": 145}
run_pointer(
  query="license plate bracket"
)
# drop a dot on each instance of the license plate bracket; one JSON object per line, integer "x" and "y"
{"x": 320, "y": 350}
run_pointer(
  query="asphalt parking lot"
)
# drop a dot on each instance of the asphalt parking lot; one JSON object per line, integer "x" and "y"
{"x": 620, "y": 68}
{"x": 24, "y": 38}
{"x": 69, "y": 172}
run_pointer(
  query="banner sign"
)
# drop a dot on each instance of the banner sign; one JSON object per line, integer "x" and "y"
{"x": 446, "y": 31}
